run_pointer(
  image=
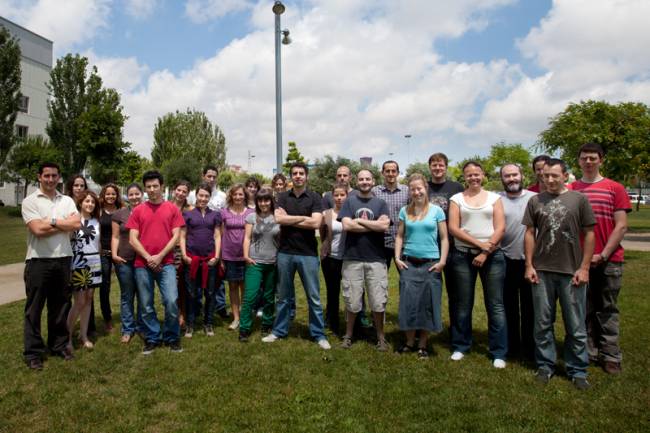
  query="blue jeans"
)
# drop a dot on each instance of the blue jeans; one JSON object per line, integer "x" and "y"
{"x": 307, "y": 267}
{"x": 573, "y": 301}
{"x": 166, "y": 280}
{"x": 219, "y": 296}
{"x": 128, "y": 289}
{"x": 195, "y": 293}
{"x": 492, "y": 275}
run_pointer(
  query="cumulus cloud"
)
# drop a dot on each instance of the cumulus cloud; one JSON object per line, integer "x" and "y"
{"x": 124, "y": 74}
{"x": 201, "y": 11}
{"x": 140, "y": 8}
{"x": 68, "y": 26}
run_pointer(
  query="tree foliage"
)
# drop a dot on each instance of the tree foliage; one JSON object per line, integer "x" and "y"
{"x": 86, "y": 119}
{"x": 9, "y": 90}
{"x": 622, "y": 129}
{"x": 293, "y": 155}
{"x": 323, "y": 174}
{"x": 24, "y": 159}
{"x": 133, "y": 167}
{"x": 185, "y": 167}
{"x": 417, "y": 167}
{"x": 190, "y": 134}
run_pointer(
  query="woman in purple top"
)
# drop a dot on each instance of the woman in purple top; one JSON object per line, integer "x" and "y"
{"x": 233, "y": 225}
{"x": 200, "y": 250}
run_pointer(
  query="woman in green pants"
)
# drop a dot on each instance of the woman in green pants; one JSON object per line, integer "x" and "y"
{"x": 260, "y": 251}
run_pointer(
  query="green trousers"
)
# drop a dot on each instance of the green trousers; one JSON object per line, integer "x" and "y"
{"x": 259, "y": 278}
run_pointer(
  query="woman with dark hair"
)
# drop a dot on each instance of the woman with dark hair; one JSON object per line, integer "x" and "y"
{"x": 110, "y": 201}
{"x": 252, "y": 186}
{"x": 279, "y": 184}
{"x": 75, "y": 186}
{"x": 233, "y": 225}
{"x": 200, "y": 244}
{"x": 420, "y": 260}
{"x": 179, "y": 197}
{"x": 477, "y": 223}
{"x": 261, "y": 240}
{"x": 123, "y": 256}
{"x": 86, "y": 266}
{"x": 332, "y": 238}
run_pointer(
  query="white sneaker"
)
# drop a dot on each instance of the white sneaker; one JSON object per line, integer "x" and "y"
{"x": 324, "y": 344}
{"x": 457, "y": 356}
{"x": 499, "y": 363}
{"x": 269, "y": 338}
{"x": 234, "y": 325}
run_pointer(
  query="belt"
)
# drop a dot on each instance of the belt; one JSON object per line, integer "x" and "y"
{"x": 468, "y": 250}
{"x": 418, "y": 261}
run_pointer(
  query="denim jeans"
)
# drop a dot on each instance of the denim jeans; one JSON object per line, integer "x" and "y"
{"x": 602, "y": 312}
{"x": 105, "y": 288}
{"x": 307, "y": 267}
{"x": 573, "y": 301}
{"x": 195, "y": 294}
{"x": 219, "y": 296}
{"x": 492, "y": 275}
{"x": 166, "y": 280}
{"x": 128, "y": 289}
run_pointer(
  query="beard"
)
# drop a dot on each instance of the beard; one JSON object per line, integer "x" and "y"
{"x": 513, "y": 186}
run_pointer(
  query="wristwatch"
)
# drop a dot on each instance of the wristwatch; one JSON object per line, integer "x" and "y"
{"x": 53, "y": 222}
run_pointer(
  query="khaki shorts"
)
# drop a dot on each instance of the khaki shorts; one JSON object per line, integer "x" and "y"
{"x": 369, "y": 276}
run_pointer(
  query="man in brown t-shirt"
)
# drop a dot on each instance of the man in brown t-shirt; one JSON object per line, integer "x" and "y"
{"x": 558, "y": 267}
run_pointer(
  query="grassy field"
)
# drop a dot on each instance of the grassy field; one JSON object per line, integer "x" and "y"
{"x": 13, "y": 235}
{"x": 639, "y": 221}
{"x": 218, "y": 384}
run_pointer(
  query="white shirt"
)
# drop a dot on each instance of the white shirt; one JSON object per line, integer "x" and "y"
{"x": 478, "y": 222}
{"x": 217, "y": 199}
{"x": 38, "y": 206}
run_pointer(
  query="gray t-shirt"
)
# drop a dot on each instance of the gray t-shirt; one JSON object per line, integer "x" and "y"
{"x": 265, "y": 238}
{"x": 559, "y": 220}
{"x": 514, "y": 208}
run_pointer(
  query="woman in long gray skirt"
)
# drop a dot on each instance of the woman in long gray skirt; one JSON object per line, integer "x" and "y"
{"x": 420, "y": 261}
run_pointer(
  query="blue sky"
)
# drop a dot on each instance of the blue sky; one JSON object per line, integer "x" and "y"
{"x": 458, "y": 76}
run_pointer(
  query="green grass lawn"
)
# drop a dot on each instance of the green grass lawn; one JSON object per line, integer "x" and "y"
{"x": 13, "y": 236}
{"x": 639, "y": 221}
{"x": 218, "y": 384}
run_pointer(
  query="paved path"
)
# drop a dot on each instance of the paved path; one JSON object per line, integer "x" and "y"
{"x": 12, "y": 287}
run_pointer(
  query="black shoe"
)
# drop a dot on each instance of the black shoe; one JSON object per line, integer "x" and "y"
{"x": 422, "y": 353}
{"x": 405, "y": 348}
{"x": 223, "y": 313}
{"x": 175, "y": 347}
{"x": 581, "y": 383}
{"x": 266, "y": 330}
{"x": 35, "y": 364}
{"x": 149, "y": 348}
{"x": 243, "y": 336}
{"x": 542, "y": 376}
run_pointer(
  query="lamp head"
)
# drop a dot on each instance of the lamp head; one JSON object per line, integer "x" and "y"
{"x": 286, "y": 40}
{"x": 278, "y": 8}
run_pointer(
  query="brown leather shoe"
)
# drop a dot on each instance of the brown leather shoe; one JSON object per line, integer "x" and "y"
{"x": 612, "y": 367}
{"x": 35, "y": 364}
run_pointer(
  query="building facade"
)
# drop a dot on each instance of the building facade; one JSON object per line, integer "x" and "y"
{"x": 32, "y": 118}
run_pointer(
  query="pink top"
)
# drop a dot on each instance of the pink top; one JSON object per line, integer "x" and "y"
{"x": 232, "y": 234}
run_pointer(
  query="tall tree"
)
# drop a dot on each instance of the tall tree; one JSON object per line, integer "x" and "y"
{"x": 86, "y": 120}
{"x": 293, "y": 155}
{"x": 21, "y": 165}
{"x": 622, "y": 129}
{"x": 323, "y": 175}
{"x": 133, "y": 167}
{"x": 188, "y": 133}
{"x": 9, "y": 90}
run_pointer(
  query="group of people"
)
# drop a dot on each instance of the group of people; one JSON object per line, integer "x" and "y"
{"x": 529, "y": 246}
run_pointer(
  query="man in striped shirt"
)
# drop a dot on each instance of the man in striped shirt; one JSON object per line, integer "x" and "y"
{"x": 610, "y": 204}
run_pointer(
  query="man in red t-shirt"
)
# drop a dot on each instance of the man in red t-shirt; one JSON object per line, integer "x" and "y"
{"x": 154, "y": 230}
{"x": 611, "y": 204}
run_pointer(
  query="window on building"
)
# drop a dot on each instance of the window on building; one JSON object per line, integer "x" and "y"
{"x": 22, "y": 131}
{"x": 23, "y": 104}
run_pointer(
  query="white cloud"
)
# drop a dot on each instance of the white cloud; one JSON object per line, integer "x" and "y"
{"x": 123, "y": 74}
{"x": 140, "y": 8}
{"x": 67, "y": 24}
{"x": 200, "y": 11}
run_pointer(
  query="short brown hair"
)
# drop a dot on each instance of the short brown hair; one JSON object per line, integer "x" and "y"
{"x": 437, "y": 157}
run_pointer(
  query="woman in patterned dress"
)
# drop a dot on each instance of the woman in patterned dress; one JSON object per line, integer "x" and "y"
{"x": 86, "y": 265}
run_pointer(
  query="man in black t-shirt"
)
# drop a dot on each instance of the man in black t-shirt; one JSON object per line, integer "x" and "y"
{"x": 298, "y": 211}
{"x": 365, "y": 219}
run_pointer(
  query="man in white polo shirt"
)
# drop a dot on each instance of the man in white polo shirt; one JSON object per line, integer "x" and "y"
{"x": 49, "y": 216}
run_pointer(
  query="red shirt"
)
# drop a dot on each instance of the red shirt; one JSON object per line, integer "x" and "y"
{"x": 155, "y": 223}
{"x": 605, "y": 197}
{"x": 533, "y": 187}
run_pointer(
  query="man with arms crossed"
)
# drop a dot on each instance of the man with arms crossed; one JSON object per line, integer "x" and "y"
{"x": 298, "y": 211}
{"x": 517, "y": 296}
{"x": 154, "y": 230}
{"x": 611, "y": 204}
{"x": 365, "y": 220}
{"x": 50, "y": 216}
{"x": 558, "y": 268}
{"x": 217, "y": 201}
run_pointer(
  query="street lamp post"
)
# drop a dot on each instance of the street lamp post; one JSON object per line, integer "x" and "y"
{"x": 278, "y": 9}
{"x": 408, "y": 149}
